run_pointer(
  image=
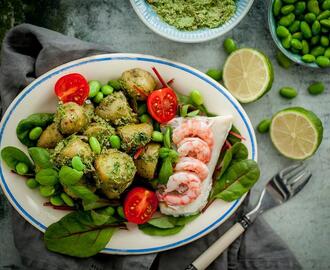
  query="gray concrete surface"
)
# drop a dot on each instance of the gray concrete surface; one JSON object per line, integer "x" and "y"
{"x": 303, "y": 222}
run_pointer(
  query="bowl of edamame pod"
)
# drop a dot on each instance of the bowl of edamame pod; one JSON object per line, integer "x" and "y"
{"x": 301, "y": 30}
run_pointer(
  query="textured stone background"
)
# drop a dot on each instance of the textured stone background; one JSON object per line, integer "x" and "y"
{"x": 303, "y": 222}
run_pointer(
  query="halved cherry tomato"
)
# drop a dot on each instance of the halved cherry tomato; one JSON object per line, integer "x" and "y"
{"x": 72, "y": 87}
{"x": 162, "y": 104}
{"x": 139, "y": 205}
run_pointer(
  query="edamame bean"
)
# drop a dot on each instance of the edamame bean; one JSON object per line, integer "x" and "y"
{"x": 77, "y": 164}
{"x": 324, "y": 41}
{"x": 322, "y": 61}
{"x": 282, "y": 31}
{"x": 229, "y": 45}
{"x": 35, "y": 133}
{"x": 327, "y": 53}
{"x": 326, "y": 5}
{"x": 157, "y": 136}
{"x": 288, "y": 92}
{"x": 106, "y": 89}
{"x": 56, "y": 200}
{"x": 142, "y": 109}
{"x": 21, "y": 168}
{"x": 316, "y": 88}
{"x": 277, "y": 5}
{"x": 325, "y": 22}
{"x": 316, "y": 27}
{"x": 94, "y": 88}
{"x": 315, "y": 40}
{"x": 283, "y": 61}
{"x": 115, "y": 84}
{"x": 196, "y": 97}
{"x": 305, "y": 30}
{"x": 297, "y": 35}
{"x": 313, "y": 6}
{"x": 294, "y": 27}
{"x": 264, "y": 125}
{"x": 95, "y": 145}
{"x": 308, "y": 58}
{"x": 115, "y": 141}
{"x": 99, "y": 96}
{"x": 305, "y": 47}
{"x": 317, "y": 51}
{"x": 300, "y": 7}
{"x": 67, "y": 200}
{"x": 215, "y": 74}
{"x": 287, "y": 20}
{"x": 285, "y": 10}
{"x": 286, "y": 42}
{"x": 32, "y": 183}
{"x": 46, "y": 191}
{"x": 310, "y": 18}
{"x": 324, "y": 15}
{"x": 295, "y": 43}
{"x": 120, "y": 212}
{"x": 145, "y": 118}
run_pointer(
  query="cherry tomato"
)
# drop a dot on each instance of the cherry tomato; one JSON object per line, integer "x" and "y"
{"x": 162, "y": 105}
{"x": 139, "y": 205}
{"x": 72, "y": 87}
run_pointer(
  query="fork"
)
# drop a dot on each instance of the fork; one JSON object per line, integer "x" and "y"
{"x": 279, "y": 189}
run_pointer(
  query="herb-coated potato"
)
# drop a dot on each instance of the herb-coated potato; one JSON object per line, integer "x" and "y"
{"x": 115, "y": 109}
{"x": 115, "y": 171}
{"x": 147, "y": 162}
{"x": 71, "y": 118}
{"x": 89, "y": 110}
{"x": 138, "y": 83}
{"x": 134, "y": 136}
{"x": 101, "y": 130}
{"x": 49, "y": 137}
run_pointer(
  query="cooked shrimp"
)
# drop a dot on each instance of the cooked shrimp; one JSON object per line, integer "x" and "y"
{"x": 196, "y": 148}
{"x": 182, "y": 188}
{"x": 193, "y": 165}
{"x": 193, "y": 128}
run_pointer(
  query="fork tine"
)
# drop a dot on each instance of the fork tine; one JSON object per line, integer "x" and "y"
{"x": 294, "y": 173}
{"x": 300, "y": 182}
{"x": 289, "y": 169}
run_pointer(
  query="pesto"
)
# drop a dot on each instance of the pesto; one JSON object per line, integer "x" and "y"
{"x": 190, "y": 15}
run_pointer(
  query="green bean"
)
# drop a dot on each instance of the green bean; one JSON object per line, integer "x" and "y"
{"x": 305, "y": 47}
{"x": 300, "y": 7}
{"x": 294, "y": 27}
{"x": 317, "y": 51}
{"x": 167, "y": 137}
{"x": 283, "y": 61}
{"x": 99, "y": 96}
{"x": 69, "y": 176}
{"x": 324, "y": 41}
{"x": 184, "y": 110}
{"x": 145, "y": 118}
{"x": 229, "y": 45}
{"x": 157, "y": 136}
{"x": 287, "y": 20}
{"x": 32, "y": 183}
{"x": 313, "y": 6}
{"x": 315, "y": 40}
{"x": 196, "y": 97}
{"x": 325, "y": 22}
{"x": 107, "y": 90}
{"x": 77, "y": 164}
{"x": 286, "y": 42}
{"x": 264, "y": 125}
{"x": 295, "y": 43}
{"x": 142, "y": 109}
{"x": 56, "y": 200}
{"x": 310, "y": 17}
{"x": 115, "y": 141}
{"x": 305, "y": 30}
{"x": 35, "y": 133}
{"x": 46, "y": 191}
{"x": 22, "y": 168}
{"x": 215, "y": 74}
{"x": 327, "y": 53}
{"x": 282, "y": 31}
{"x": 316, "y": 27}
{"x": 308, "y": 58}
{"x": 324, "y": 15}
{"x": 67, "y": 200}
{"x": 326, "y": 5}
{"x": 297, "y": 35}
{"x": 95, "y": 145}
{"x": 94, "y": 88}
{"x": 322, "y": 61}
{"x": 316, "y": 88}
{"x": 288, "y": 92}
{"x": 120, "y": 212}
{"x": 277, "y": 5}
{"x": 115, "y": 84}
{"x": 285, "y": 10}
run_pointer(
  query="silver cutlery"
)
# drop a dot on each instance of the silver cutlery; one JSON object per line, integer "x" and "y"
{"x": 279, "y": 189}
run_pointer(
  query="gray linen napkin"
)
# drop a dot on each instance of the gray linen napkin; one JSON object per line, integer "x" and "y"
{"x": 28, "y": 52}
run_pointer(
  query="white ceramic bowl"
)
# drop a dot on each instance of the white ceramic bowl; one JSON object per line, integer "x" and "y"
{"x": 156, "y": 24}
{"x": 39, "y": 97}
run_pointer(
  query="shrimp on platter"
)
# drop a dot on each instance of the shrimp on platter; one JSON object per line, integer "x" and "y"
{"x": 196, "y": 148}
{"x": 192, "y": 165}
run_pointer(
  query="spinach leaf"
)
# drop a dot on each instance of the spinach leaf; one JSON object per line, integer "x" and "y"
{"x": 83, "y": 193}
{"x": 231, "y": 138}
{"x": 69, "y": 176}
{"x": 161, "y": 222}
{"x": 227, "y": 158}
{"x": 180, "y": 221}
{"x": 77, "y": 235}
{"x": 34, "y": 120}
{"x": 12, "y": 156}
{"x": 239, "y": 152}
{"x": 89, "y": 205}
{"x": 47, "y": 177}
{"x": 152, "y": 230}
{"x": 41, "y": 158}
{"x": 236, "y": 180}
{"x": 166, "y": 170}
{"x": 101, "y": 218}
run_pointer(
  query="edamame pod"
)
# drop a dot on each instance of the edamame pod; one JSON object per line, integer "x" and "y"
{"x": 297, "y": 35}
{"x": 287, "y": 20}
{"x": 295, "y": 43}
{"x": 277, "y": 5}
{"x": 264, "y": 125}
{"x": 308, "y": 58}
{"x": 317, "y": 51}
{"x": 310, "y": 17}
{"x": 324, "y": 41}
{"x": 324, "y": 15}
{"x": 300, "y": 7}
{"x": 285, "y": 10}
{"x": 316, "y": 88}
{"x": 325, "y": 22}
{"x": 288, "y": 92}
{"x": 322, "y": 61}
{"x": 316, "y": 27}
{"x": 294, "y": 27}
{"x": 282, "y": 31}
{"x": 286, "y": 42}
{"x": 305, "y": 47}
{"x": 313, "y": 6}
{"x": 305, "y": 30}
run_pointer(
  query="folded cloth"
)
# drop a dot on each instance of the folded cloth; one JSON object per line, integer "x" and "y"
{"x": 28, "y": 52}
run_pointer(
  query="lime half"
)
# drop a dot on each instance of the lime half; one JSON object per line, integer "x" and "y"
{"x": 296, "y": 132}
{"x": 248, "y": 74}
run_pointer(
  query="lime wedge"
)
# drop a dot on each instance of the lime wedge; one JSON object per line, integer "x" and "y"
{"x": 248, "y": 74}
{"x": 296, "y": 132}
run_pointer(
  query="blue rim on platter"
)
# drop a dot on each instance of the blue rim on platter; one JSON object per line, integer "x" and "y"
{"x": 156, "y": 24}
{"x": 103, "y": 58}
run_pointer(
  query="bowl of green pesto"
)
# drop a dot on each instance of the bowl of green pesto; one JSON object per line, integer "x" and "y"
{"x": 191, "y": 21}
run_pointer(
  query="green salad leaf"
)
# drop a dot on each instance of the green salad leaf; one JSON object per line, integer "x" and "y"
{"x": 166, "y": 170}
{"x": 161, "y": 222}
{"x": 76, "y": 234}
{"x": 12, "y": 156}
{"x": 47, "y": 177}
{"x": 233, "y": 139}
{"x": 34, "y": 120}
{"x": 178, "y": 221}
{"x": 152, "y": 230}
{"x": 89, "y": 205}
{"x": 83, "y": 193}
{"x": 69, "y": 176}
{"x": 40, "y": 157}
